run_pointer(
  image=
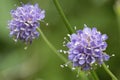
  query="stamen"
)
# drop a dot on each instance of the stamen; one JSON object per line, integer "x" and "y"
{"x": 15, "y": 40}
{"x": 68, "y": 35}
{"x": 66, "y": 39}
{"x": 60, "y": 51}
{"x": 47, "y": 24}
{"x": 73, "y": 68}
{"x": 62, "y": 66}
{"x": 66, "y": 65}
{"x": 64, "y": 52}
{"x": 15, "y": 5}
{"x": 75, "y": 27}
{"x": 96, "y": 64}
{"x": 113, "y": 55}
{"x": 25, "y": 48}
{"x": 107, "y": 66}
{"x": 85, "y": 25}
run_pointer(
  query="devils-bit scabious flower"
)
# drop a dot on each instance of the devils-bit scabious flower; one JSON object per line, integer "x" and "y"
{"x": 86, "y": 48}
{"x": 25, "y": 21}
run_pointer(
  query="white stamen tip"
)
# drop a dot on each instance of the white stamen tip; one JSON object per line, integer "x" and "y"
{"x": 15, "y": 5}
{"x": 15, "y": 40}
{"x": 60, "y": 51}
{"x": 73, "y": 68}
{"x": 47, "y": 24}
{"x": 64, "y": 42}
{"x": 107, "y": 66}
{"x": 25, "y": 48}
{"x": 66, "y": 65}
{"x": 75, "y": 27}
{"x": 64, "y": 52}
{"x": 63, "y": 45}
{"x": 113, "y": 55}
{"x": 21, "y": 3}
{"x": 85, "y": 25}
{"x": 64, "y": 37}
{"x": 68, "y": 35}
{"x": 77, "y": 75}
{"x": 95, "y": 64}
{"x": 62, "y": 66}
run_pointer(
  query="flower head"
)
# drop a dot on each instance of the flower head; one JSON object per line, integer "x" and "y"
{"x": 25, "y": 22}
{"x": 86, "y": 48}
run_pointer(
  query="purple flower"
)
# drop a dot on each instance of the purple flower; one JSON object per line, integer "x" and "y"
{"x": 25, "y": 22}
{"x": 86, "y": 48}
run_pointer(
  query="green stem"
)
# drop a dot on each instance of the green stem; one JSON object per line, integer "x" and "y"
{"x": 109, "y": 72}
{"x": 51, "y": 46}
{"x": 68, "y": 26}
{"x": 94, "y": 75}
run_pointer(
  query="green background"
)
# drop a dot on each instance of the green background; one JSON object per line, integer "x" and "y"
{"x": 39, "y": 62}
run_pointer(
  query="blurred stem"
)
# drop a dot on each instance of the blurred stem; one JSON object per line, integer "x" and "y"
{"x": 117, "y": 11}
{"x": 94, "y": 75}
{"x": 109, "y": 72}
{"x": 68, "y": 26}
{"x": 51, "y": 46}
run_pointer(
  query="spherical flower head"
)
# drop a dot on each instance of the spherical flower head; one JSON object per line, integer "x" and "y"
{"x": 86, "y": 48}
{"x": 25, "y": 22}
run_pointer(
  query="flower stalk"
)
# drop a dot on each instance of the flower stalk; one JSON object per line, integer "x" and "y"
{"x": 109, "y": 72}
{"x": 51, "y": 46}
{"x": 94, "y": 75}
{"x": 66, "y": 22}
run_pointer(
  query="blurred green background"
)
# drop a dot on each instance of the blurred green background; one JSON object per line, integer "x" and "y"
{"x": 39, "y": 62}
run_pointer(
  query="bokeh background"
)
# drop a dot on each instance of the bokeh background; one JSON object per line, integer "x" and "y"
{"x": 39, "y": 62}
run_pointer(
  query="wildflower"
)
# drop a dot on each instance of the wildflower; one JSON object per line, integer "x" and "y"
{"x": 25, "y": 22}
{"x": 86, "y": 48}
